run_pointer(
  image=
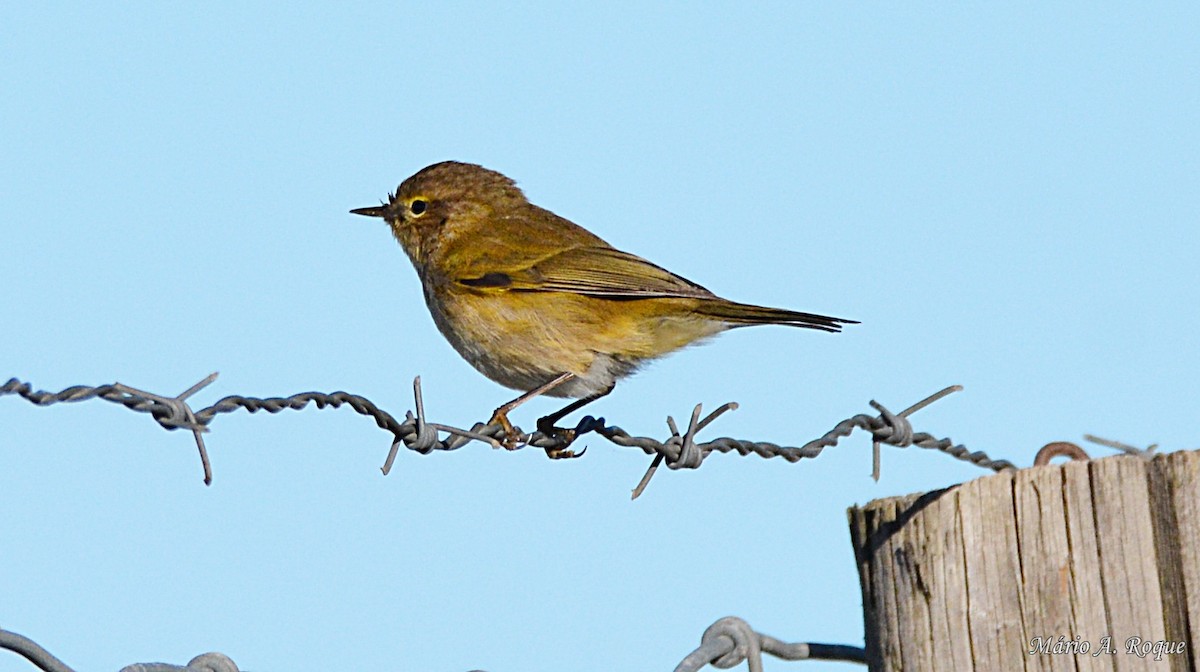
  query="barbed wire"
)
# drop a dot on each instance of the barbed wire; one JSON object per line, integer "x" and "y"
{"x": 730, "y": 641}
{"x": 32, "y": 652}
{"x": 678, "y": 451}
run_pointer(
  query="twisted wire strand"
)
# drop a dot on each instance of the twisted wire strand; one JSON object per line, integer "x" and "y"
{"x": 679, "y": 451}
{"x": 296, "y": 402}
{"x": 32, "y": 651}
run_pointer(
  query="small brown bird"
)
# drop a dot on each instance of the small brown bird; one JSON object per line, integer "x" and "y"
{"x": 539, "y": 304}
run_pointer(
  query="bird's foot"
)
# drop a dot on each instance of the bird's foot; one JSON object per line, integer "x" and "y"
{"x": 511, "y": 438}
{"x": 565, "y": 437}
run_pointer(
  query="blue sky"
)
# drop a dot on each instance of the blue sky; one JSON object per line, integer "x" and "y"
{"x": 1004, "y": 196}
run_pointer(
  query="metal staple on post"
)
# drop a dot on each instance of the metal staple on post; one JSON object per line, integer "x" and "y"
{"x": 420, "y": 435}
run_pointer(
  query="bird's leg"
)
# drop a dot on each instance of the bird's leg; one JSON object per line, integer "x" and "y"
{"x": 546, "y": 425}
{"x": 501, "y": 414}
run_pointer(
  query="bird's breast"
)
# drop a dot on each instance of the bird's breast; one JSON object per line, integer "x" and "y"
{"x": 522, "y": 339}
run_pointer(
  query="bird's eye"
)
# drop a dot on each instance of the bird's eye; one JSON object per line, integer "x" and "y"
{"x": 418, "y": 207}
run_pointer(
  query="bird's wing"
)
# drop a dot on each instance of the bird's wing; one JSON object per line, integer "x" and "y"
{"x": 592, "y": 270}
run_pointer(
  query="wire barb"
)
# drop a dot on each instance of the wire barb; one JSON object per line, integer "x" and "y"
{"x": 181, "y": 416}
{"x": 425, "y": 439}
{"x": 898, "y": 429}
{"x": 689, "y": 456}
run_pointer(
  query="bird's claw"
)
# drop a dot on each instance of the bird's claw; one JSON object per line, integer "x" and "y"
{"x": 563, "y": 438}
{"x": 562, "y": 453}
{"x": 510, "y": 438}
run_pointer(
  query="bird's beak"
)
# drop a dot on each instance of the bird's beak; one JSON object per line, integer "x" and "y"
{"x": 376, "y": 211}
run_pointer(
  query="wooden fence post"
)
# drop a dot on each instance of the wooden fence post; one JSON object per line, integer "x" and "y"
{"x": 1089, "y": 565}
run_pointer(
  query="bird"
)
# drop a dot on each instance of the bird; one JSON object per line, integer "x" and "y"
{"x": 540, "y": 304}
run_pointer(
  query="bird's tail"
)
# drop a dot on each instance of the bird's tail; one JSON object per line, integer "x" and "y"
{"x": 744, "y": 315}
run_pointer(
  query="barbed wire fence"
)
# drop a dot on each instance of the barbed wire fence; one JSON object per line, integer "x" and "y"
{"x": 727, "y": 643}
{"x": 679, "y": 451}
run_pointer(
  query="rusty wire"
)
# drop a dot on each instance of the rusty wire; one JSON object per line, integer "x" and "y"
{"x": 1059, "y": 449}
{"x": 678, "y": 451}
